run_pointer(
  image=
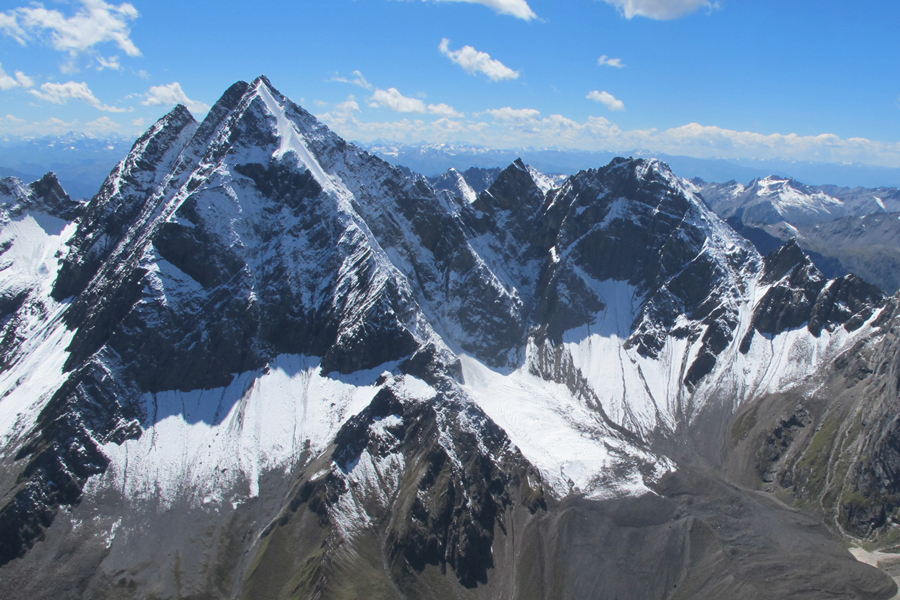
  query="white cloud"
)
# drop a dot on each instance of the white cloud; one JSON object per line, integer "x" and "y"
{"x": 94, "y": 23}
{"x": 607, "y": 99}
{"x": 11, "y": 125}
{"x": 475, "y": 62}
{"x": 342, "y": 115}
{"x": 10, "y": 26}
{"x": 139, "y": 122}
{"x": 20, "y": 80}
{"x": 112, "y": 63}
{"x": 659, "y": 9}
{"x": 61, "y": 93}
{"x": 444, "y": 110}
{"x": 515, "y": 8}
{"x": 171, "y": 94}
{"x": 393, "y": 99}
{"x": 510, "y": 115}
{"x": 524, "y": 127}
{"x": 610, "y": 62}
{"x": 102, "y": 125}
{"x": 358, "y": 80}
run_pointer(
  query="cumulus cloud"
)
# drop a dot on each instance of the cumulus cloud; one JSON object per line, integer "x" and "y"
{"x": 475, "y": 62}
{"x": 607, "y": 99}
{"x": 19, "y": 80}
{"x": 444, "y": 110}
{"x": 715, "y": 142}
{"x": 514, "y": 8}
{"x": 523, "y": 127}
{"x": 605, "y": 61}
{"x": 662, "y": 10}
{"x": 512, "y": 115}
{"x": 393, "y": 99}
{"x": 342, "y": 114}
{"x": 94, "y": 23}
{"x": 171, "y": 94}
{"x": 61, "y": 93}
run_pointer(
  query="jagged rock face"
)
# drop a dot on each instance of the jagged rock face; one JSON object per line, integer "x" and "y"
{"x": 110, "y": 214}
{"x": 800, "y": 295}
{"x": 181, "y": 295}
{"x": 45, "y": 195}
{"x": 634, "y": 222}
{"x": 359, "y": 383}
{"x": 834, "y": 448}
{"x": 868, "y": 246}
{"x": 22, "y": 236}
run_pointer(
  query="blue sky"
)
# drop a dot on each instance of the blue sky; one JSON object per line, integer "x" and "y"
{"x": 796, "y": 80}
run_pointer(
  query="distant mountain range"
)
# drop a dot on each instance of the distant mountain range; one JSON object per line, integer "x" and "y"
{"x": 81, "y": 161}
{"x": 434, "y": 159}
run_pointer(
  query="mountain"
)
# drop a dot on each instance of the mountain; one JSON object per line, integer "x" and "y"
{"x": 773, "y": 200}
{"x": 263, "y": 363}
{"x": 434, "y": 159}
{"x": 466, "y": 185}
{"x": 843, "y": 230}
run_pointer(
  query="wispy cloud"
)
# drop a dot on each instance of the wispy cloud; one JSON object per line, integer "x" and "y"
{"x": 96, "y": 22}
{"x": 357, "y": 80}
{"x": 171, "y": 94}
{"x": 12, "y": 125}
{"x": 18, "y": 80}
{"x": 662, "y": 10}
{"x": 607, "y": 99}
{"x": 61, "y": 93}
{"x": 102, "y": 125}
{"x": 605, "y": 61}
{"x": 514, "y": 8}
{"x": 112, "y": 63}
{"x": 475, "y": 62}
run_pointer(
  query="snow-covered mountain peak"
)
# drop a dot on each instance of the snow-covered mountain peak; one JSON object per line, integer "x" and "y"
{"x": 771, "y": 200}
{"x": 252, "y": 307}
{"x": 647, "y": 167}
{"x": 45, "y": 195}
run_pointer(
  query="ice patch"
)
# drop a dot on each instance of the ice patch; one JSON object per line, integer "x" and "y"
{"x": 567, "y": 441}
